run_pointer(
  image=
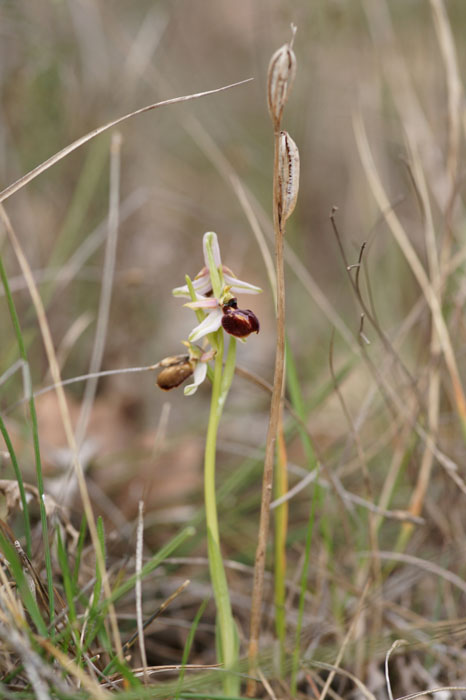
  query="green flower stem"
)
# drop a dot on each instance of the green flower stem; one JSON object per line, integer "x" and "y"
{"x": 226, "y": 626}
{"x": 228, "y": 372}
{"x": 211, "y": 442}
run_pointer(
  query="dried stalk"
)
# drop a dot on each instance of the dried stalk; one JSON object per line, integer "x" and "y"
{"x": 282, "y": 69}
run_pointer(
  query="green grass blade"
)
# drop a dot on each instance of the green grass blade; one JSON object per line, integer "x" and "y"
{"x": 188, "y": 645}
{"x": 27, "y": 597}
{"x": 19, "y": 479}
{"x": 35, "y": 437}
{"x": 69, "y": 593}
{"x": 79, "y": 550}
{"x": 302, "y": 593}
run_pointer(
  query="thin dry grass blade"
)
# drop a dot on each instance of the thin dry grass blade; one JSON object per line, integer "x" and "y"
{"x": 433, "y": 397}
{"x": 157, "y": 613}
{"x": 454, "y": 87}
{"x": 346, "y": 640}
{"x": 395, "y": 644}
{"x": 139, "y": 551}
{"x": 431, "y": 691}
{"x": 108, "y": 273}
{"x": 430, "y": 566}
{"x": 38, "y": 170}
{"x": 343, "y": 672}
{"x": 405, "y": 95}
{"x": 95, "y": 689}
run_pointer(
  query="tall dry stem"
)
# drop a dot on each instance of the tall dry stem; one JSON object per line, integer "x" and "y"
{"x": 282, "y": 69}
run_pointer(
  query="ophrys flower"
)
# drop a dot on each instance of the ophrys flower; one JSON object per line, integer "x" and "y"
{"x": 213, "y": 293}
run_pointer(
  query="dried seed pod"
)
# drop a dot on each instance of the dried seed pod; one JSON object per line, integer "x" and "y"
{"x": 239, "y": 322}
{"x": 288, "y": 175}
{"x": 282, "y": 71}
{"x": 176, "y": 370}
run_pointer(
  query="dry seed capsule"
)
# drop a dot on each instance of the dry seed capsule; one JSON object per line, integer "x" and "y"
{"x": 288, "y": 174}
{"x": 282, "y": 71}
{"x": 175, "y": 371}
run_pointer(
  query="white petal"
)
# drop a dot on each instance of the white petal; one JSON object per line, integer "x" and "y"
{"x": 198, "y": 376}
{"x": 209, "y": 325}
{"x": 239, "y": 286}
{"x": 202, "y": 285}
{"x": 212, "y": 238}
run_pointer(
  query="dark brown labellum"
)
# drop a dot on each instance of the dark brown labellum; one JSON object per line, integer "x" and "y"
{"x": 238, "y": 322}
{"x": 175, "y": 370}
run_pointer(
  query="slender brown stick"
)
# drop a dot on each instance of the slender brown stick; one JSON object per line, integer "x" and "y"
{"x": 281, "y": 73}
{"x": 258, "y": 585}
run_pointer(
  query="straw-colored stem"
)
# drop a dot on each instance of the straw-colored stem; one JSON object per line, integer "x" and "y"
{"x": 281, "y": 530}
{"x": 259, "y": 567}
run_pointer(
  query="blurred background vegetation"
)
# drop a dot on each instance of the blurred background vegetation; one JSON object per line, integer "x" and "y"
{"x": 67, "y": 67}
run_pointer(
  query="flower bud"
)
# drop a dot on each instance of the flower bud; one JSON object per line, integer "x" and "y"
{"x": 282, "y": 71}
{"x": 175, "y": 370}
{"x": 238, "y": 322}
{"x": 288, "y": 175}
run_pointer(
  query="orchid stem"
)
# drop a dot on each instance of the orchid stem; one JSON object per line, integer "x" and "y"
{"x": 227, "y": 635}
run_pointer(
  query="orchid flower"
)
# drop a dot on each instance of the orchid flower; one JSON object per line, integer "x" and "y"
{"x": 223, "y": 313}
{"x": 214, "y": 289}
{"x": 212, "y": 294}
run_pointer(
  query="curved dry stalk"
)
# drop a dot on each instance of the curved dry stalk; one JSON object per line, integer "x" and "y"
{"x": 161, "y": 609}
{"x": 429, "y": 566}
{"x": 366, "y": 311}
{"x": 343, "y": 672}
{"x": 79, "y": 378}
{"x": 42, "y": 167}
{"x": 433, "y": 391}
{"x": 431, "y": 691}
{"x": 395, "y": 644}
{"x": 277, "y": 390}
{"x": 281, "y": 73}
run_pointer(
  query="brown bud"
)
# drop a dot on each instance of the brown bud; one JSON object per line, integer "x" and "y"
{"x": 239, "y": 322}
{"x": 288, "y": 174}
{"x": 282, "y": 71}
{"x": 175, "y": 370}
